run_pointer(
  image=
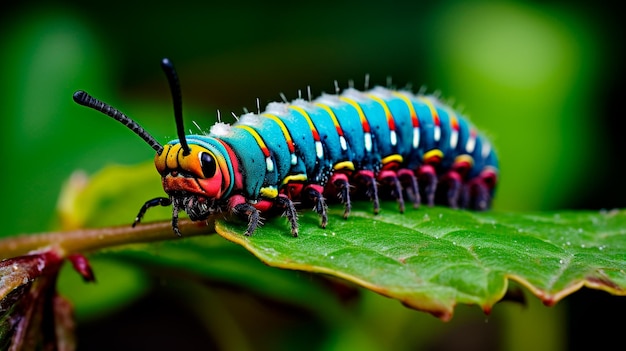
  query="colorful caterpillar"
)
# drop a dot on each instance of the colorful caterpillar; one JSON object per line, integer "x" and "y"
{"x": 306, "y": 151}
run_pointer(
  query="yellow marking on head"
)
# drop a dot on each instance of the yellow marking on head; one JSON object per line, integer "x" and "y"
{"x": 171, "y": 157}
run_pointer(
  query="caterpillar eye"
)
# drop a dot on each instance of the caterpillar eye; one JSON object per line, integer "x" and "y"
{"x": 208, "y": 164}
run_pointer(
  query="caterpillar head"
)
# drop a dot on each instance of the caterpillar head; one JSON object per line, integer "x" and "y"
{"x": 197, "y": 171}
{"x": 206, "y": 170}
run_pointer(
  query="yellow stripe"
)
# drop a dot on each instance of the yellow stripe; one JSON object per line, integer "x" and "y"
{"x": 306, "y": 116}
{"x": 331, "y": 113}
{"x": 465, "y": 158}
{"x": 256, "y": 136}
{"x": 358, "y": 109}
{"x": 281, "y": 124}
{"x": 383, "y": 104}
{"x": 295, "y": 178}
{"x": 432, "y": 153}
{"x": 269, "y": 192}
{"x": 344, "y": 165}
{"x": 431, "y": 107}
{"x": 392, "y": 158}
{"x": 408, "y": 103}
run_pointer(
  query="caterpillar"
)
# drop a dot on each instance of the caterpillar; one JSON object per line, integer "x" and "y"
{"x": 378, "y": 142}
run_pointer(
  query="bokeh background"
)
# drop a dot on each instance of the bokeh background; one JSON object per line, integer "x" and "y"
{"x": 542, "y": 79}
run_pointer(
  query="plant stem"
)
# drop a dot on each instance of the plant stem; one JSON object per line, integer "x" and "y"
{"x": 84, "y": 240}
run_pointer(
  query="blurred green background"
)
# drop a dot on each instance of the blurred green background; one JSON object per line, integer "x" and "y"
{"x": 541, "y": 79}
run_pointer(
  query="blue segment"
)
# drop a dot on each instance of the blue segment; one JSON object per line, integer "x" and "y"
{"x": 302, "y": 138}
{"x": 275, "y": 141}
{"x": 464, "y": 135}
{"x": 404, "y": 126}
{"x": 479, "y": 161}
{"x": 446, "y": 133}
{"x": 350, "y": 123}
{"x": 427, "y": 133}
{"x": 381, "y": 142}
{"x": 252, "y": 160}
{"x": 492, "y": 158}
{"x": 329, "y": 138}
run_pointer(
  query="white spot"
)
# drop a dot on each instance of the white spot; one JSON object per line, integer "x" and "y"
{"x": 393, "y": 138}
{"x": 470, "y": 145}
{"x": 368, "y": 142}
{"x": 416, "y": 137}
{"x": 486, "y": 149}
{"x": 319, "y": 150}
{"x": 342, "y": 141}
{"x": 437, "y": 134}
{"x": 454, "y": 139}
{"x": 269, "y": 164}
{"x": 294, "y": 159}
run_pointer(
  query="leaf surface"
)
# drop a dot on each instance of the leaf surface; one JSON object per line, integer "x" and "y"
{"x": 433, "y": 258}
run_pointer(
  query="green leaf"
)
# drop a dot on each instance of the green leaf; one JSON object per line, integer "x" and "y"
{"x": 433, "y": 258}
{"x": 430, "y": 259}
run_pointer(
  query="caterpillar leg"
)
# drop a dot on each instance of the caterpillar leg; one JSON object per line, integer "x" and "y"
{"x": 366, "y": 178}
{"x": 390, "y": 179}
{"x": 428, "y": 179}
{"x": 409, "y": 182}
{"x": 284, "y": 202}
{"x": 158, "y": 201}
{"x": 451, "y": 184}
{"x": 342, "y": 185}
{"x": 249, "y": 212}
{"x": 175, "y": 220}
{"x": 477, "y": 195}
{"x": 478, "y": 192}
{"x": 314, "y": 194}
